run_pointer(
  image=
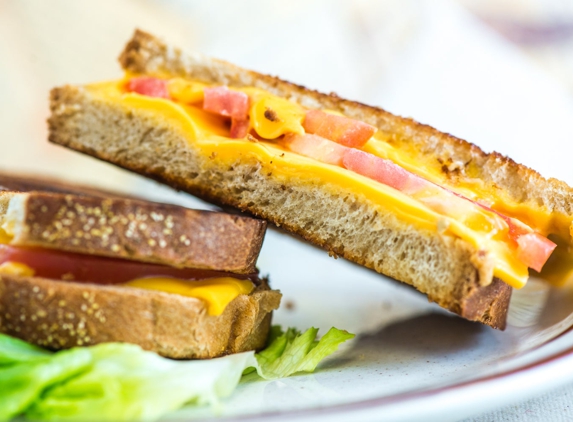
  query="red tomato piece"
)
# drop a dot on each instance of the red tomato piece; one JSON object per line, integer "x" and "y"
{"x": 345, "y": 131}
{"x": 313, "y": 146}
{"x": 60, "y": 265}
{"x": 152, "y": 87}
{"x": 534, "y": 250}
{"x": 221, "y": 100}
{"x": 239, "y": 128}
{"x": 383, "y": 171}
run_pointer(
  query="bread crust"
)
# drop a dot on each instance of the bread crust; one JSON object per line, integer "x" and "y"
{"x": 60, "y": 315}
{"x": 138, "y": 230}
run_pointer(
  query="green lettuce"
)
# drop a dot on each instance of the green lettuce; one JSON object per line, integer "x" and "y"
{"x": 21, "y": 384}
{"x": 127, "y": 383}
{"x": 13, "y": 350}
{"x": 117, "y": 381}
{"x": 290, "y": 352}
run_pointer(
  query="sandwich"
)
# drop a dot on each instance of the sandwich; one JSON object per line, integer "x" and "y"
{"x": 460, "y": 225}
{"x": 80, "y": 267}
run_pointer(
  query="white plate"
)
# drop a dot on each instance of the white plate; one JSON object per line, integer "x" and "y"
{"x": 411, "y": 360}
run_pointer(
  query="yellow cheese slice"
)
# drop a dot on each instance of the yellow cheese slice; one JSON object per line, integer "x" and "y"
{"x": 216, "y": 292}
{"x": 5, "y": 238}
{"x": 16, "y": 268}
{"x": 208, "y": 133}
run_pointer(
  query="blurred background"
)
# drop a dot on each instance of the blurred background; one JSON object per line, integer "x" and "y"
{"x": 498, "y": 73}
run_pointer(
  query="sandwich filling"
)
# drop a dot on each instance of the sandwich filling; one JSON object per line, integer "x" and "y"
{"x": 216, "y": 289}
{"x": 290, "y": 140}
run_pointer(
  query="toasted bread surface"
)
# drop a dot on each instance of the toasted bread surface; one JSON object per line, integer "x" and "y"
{"x": 449, "y": 270}
{"x": 59, "y": 315}
{"x": 134, "y": 229}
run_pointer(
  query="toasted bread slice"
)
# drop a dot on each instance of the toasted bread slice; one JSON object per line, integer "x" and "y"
{"x": 59, "y": 315}
{"x": 132, "y": 229}
{"x": 451, "y": 271}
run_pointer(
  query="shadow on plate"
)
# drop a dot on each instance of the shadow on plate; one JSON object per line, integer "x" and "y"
{"x": 426, "y": 337}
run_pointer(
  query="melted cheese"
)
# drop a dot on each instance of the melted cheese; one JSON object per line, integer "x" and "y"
{"x": 185, "y": 91}
{"x": 216, "y": 292}
{"x": 209, "y": 133}
{"x": 16, "y": 268}
{"x": 543, "y": 220}
{"x": 5, "y": 238}
{"x": 272, "y": 116}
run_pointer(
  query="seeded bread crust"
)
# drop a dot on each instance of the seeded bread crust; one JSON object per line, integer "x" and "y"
{"x": 133, "y": 229}
{"x": 450, "y": 271}
{"x": 60, "y": 315}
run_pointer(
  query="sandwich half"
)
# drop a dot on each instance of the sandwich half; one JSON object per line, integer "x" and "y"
{"x": 78, "y": 270}
{"x": 386, "y": 192}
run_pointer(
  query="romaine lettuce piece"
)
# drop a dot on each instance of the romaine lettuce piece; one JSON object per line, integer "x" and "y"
{"x": 21, "y": 384}
{"x": 127, "y": 383}
{"x": 291, "y": 352}
{"x": 116, "y": 381}
{"x": 14, "y": 350}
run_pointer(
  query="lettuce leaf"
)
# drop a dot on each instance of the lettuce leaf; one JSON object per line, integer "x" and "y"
{"x": 117, "y": 381}
{"x": 291, "y": 352}
{"x": 127, "y": 383}
{"x": 14, "y": 350}
{"x": 21, "y": 384}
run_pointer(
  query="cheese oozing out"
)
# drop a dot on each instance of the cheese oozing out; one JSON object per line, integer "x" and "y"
{"x": 217, "y": 293}
{"x": 271, "y": 117}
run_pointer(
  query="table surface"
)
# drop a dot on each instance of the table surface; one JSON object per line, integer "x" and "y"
{"x": 555, "y": 405}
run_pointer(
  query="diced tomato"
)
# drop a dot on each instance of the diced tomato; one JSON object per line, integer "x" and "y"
{"x": 383, "y": 171}
{"x": 221, "y": 100}
{"x": 534, "y": 250}
{"x": 313, "y": 146}
{"x": 239, "y": 128}
{"x": 152, "y": 87}
{"x": 59, "y": 265}
{"x": 340, "y": 129}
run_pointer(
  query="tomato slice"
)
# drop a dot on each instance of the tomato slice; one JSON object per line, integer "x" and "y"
{"x": 340, "y": 129}
{"x": 314, "y": 146}
{"x": 534, "y": 250}
{"x": 383, "y": 171}
{"x": 69, "y": 266}
{"x": 221, "y": 100}
{"x": 239, "y": 128}
{"x": 152, "y": 87}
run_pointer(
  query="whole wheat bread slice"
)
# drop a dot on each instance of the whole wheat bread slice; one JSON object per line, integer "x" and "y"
{"x": 59, "y": 315}
{"x": 133, "y": 229}
{"x": 449, "y": 270}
